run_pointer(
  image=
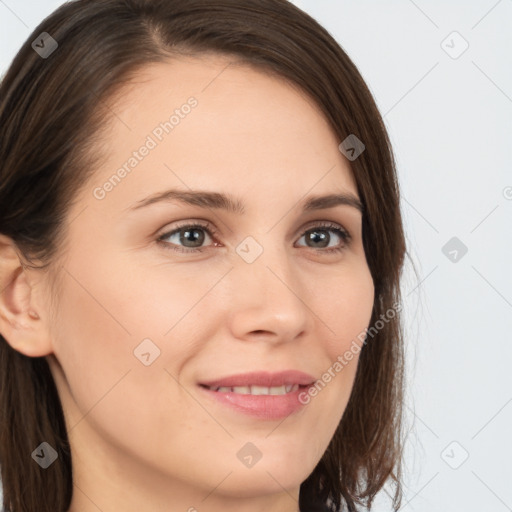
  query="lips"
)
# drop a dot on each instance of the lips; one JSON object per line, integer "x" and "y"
{"x": 262, "y": 379}
{"x": 261, "y": 395}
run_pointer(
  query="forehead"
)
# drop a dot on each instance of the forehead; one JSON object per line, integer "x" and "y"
{"x": 211, "y": 121}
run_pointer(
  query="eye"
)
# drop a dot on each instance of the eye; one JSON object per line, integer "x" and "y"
{"x": 192, "y": 236}
{"x": 320, "y": 238}
{"x": 189, "y": 238}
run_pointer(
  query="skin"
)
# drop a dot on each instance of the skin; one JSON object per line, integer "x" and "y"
{"x": 144, "y": 437}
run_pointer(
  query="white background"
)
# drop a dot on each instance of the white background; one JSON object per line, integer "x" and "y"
{"x": 450, "y": 122}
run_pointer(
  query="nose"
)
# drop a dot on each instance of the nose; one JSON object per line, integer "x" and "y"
{"x": 269, "y": 299}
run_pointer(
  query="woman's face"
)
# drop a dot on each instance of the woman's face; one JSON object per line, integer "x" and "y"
{"x": 143, "y": 324}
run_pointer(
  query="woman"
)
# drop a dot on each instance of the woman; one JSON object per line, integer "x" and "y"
{"x": 200, "y": 253}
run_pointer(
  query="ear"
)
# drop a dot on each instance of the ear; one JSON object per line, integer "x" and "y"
{"x": 23, "y": 322}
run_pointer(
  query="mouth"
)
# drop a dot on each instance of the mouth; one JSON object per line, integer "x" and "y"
{"x": 268, "y": 396}
{"x": 279, "y": 382}
{"x": 257, "y": 390}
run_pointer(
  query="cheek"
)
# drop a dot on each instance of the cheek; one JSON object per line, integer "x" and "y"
{"x": 99, "y": 323}
{"x": 109, "y": 317}
{"x": 346, "y": 307}
{"x": 346, "y": 311}
{"x": 92, "y": 344}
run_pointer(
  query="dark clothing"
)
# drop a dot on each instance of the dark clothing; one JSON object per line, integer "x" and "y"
{"x": 315, "y": 507}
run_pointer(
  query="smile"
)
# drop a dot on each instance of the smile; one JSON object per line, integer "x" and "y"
{"x": 257, "y": 390}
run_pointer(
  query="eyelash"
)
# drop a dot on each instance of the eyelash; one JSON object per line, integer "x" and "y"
{"x": 212, "y": 232}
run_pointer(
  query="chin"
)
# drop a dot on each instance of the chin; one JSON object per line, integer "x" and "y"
{"x": 268, "y": 479}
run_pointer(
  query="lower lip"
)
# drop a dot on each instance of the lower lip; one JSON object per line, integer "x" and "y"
{"x": 265, "y": 407}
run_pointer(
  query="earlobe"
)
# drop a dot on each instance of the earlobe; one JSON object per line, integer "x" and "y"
{"x": 20, "y": 322}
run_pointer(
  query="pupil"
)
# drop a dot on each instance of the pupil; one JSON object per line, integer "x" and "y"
{"x": 197, "y": 236}
{"x": 319, "y": 236}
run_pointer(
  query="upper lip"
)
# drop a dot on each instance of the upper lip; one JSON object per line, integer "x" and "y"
{"x": 266, "y": 379}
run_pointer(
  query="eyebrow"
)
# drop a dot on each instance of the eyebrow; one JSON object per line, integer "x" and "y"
{"x": 217, "y": 200}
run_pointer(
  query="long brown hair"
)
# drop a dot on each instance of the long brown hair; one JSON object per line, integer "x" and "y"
{"x": 51, "y": 112}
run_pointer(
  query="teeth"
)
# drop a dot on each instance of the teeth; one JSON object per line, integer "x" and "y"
{"x": 281, "y": 390}
{"x": 243, "y": 390}
{"x": 258, "y": 390}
